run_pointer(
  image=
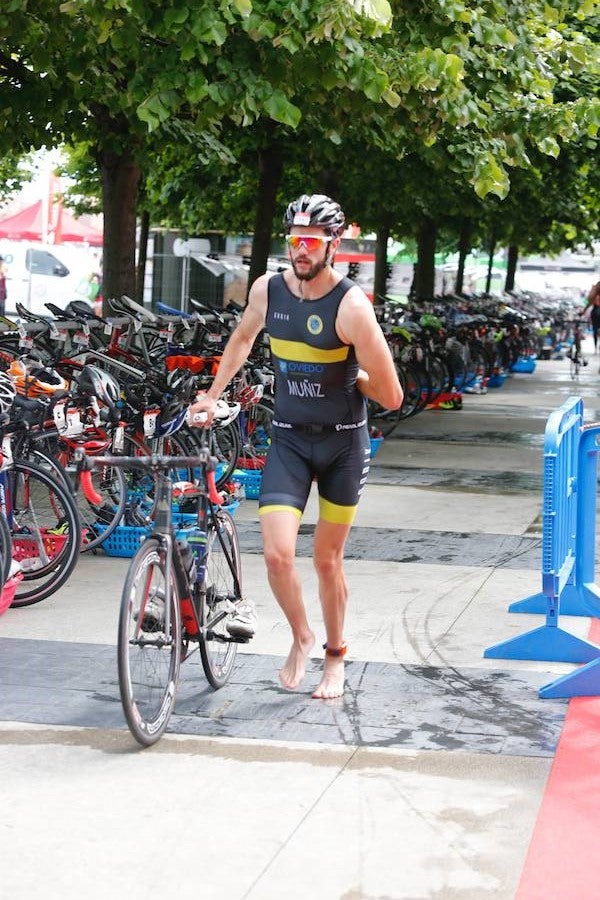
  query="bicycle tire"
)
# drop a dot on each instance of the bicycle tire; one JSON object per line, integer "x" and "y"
{"x": 381, "y": 420}
{"x": 439, "y": 376}
{"x": 42, "y": 451}
{"x": 226, "y": 445}
{"x": 148, "y": 659}
{"x": 45, "y": 538}
{"x": 5, "y": 549}
{"x": 98, "y": 521}
{"x": 220, "y": 586}
{"x": 413, "y": 390}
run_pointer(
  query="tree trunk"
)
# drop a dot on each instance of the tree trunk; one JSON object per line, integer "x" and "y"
{"x": 140, "y": 275}
{"x": 425, "y": 272}
{"x": 464, "y": 246}
{"x": 511, "y": 267}
{"x": 120, "y": 185}
{"x": 270, "y": 168}
{"x": 380, "y": 277}
{"x": 488, "y": 281}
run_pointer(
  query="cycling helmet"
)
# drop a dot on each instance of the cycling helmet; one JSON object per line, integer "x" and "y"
{"x": 98, "y": 383}
{"x": 181, "y": 384}
{"x": 7, "y": 392}
{"x": 428, "y": 320}
{"x": 315, "y": 210}
{"x": 33, "y": 380}
{"x": 170, "y": 420}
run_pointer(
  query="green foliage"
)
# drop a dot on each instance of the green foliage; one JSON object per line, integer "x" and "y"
{"x": 15, "y": 172}
{"x": 422, "y": 109}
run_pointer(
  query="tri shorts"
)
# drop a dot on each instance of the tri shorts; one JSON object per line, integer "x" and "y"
{"x": 337, "y": 460}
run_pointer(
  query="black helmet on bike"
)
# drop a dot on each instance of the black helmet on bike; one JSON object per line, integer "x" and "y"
{"x": 315, "y": 210}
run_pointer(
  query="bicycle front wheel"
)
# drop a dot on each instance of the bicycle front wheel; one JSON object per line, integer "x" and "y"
{"x": 223, "y": 585}
{"x": 149, "y": 650}
{"x": 45, "y": 531}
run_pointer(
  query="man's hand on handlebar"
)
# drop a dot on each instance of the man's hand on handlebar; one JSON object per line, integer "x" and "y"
{"x": 202, "y": 411}
{"x": 205, "y": 410}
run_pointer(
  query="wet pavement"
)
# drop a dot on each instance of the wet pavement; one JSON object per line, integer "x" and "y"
{"x": 424, "y": 781}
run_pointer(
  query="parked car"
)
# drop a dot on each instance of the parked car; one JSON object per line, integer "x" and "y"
{"x": 37, "y": 273}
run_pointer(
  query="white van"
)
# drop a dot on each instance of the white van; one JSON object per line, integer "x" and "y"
{"x": 38, "y": 273}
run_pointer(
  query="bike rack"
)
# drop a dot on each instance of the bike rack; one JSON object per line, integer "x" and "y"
{"x": 568, "y": 548}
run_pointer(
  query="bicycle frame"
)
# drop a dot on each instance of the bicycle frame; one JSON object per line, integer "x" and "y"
{"x": 164, "y": 530}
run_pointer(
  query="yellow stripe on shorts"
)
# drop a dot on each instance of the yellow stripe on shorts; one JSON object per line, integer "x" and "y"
{"x": 296, "y": 351}
{"x": 336, "y": 514}
{"x": 274, "y": 507}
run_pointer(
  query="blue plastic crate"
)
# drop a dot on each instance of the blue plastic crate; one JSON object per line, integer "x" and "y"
{"x": 524, "y": 364}
{"x": 250, "y": 479}
{"x": 124, "y": 540}
{"x": 497, "y": 380}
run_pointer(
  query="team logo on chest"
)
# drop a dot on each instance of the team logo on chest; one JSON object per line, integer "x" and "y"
{"x": 314, "y": 324}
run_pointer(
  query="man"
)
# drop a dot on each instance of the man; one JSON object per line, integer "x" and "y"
{"x": 329, "y": 354}
{"x": 593, "y": 303}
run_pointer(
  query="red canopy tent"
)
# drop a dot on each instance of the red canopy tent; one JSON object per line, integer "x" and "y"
{"x": 28, "y": 225}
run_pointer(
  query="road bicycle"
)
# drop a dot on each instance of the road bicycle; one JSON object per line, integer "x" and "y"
{"x": 182, "y": 589}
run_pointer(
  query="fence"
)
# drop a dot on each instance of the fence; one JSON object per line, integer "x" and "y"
{"x": 568, "y": 555}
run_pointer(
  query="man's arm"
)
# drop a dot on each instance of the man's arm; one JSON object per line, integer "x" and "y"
{"x": 357, "y": 325}
{"x": 237, "y": 349}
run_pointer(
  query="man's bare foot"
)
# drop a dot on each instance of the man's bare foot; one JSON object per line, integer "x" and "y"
{"x": 294, "y": 668}
{"x": 332, "y": 682}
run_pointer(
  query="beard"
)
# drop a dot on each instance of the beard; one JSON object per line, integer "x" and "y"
{"x": 309, "y": 270}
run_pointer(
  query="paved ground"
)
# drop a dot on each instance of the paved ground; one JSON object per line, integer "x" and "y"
{"x": 425, "y": 781}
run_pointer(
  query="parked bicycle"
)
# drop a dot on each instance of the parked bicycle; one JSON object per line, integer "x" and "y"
{"x": 182, "y": 589}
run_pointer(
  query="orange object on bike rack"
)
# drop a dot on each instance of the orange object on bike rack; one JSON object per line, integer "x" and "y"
{"x": 194, "y": 364}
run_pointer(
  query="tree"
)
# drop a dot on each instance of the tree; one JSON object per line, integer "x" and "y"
{"x": 111, "y": 72}
{"x": 14, "y": 174}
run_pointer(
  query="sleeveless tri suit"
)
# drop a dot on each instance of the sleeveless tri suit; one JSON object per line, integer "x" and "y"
{"x": 320, "y": 424}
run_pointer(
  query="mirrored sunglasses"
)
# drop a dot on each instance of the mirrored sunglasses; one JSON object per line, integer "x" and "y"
{"x": 310, "y": 243}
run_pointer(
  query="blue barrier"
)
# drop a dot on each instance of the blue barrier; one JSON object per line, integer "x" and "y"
{"x": 560, "y": 551}
{"x": 584, "y": 681}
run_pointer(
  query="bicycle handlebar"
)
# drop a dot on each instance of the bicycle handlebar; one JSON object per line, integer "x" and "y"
{"x": 155, "y": 462}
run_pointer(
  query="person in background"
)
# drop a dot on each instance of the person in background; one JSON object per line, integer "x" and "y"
{"x": 2, "y": 287}
{"x": 593, "y": 304}
{"x": 329, "y": 355}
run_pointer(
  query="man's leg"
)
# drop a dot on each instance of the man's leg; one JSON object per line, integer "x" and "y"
{"x": 328, "y": 560}
{"x": 280, "y": 533}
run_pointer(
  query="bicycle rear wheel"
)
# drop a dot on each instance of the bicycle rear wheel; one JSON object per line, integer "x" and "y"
{"x": 45, "y": 531}
{"x": 225, "y": 444}
{"x": 149, "y": 655}
{"x": 223, "y": 585}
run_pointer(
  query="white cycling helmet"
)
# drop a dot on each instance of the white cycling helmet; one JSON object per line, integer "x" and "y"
{"x": 95, "y": 381}
{"x": 315, "y": 210}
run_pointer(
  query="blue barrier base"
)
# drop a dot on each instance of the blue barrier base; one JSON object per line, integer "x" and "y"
{"x": 574, "y": 601}
{"x": 547, "y": 643}
{"x": 584, "y": 682}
